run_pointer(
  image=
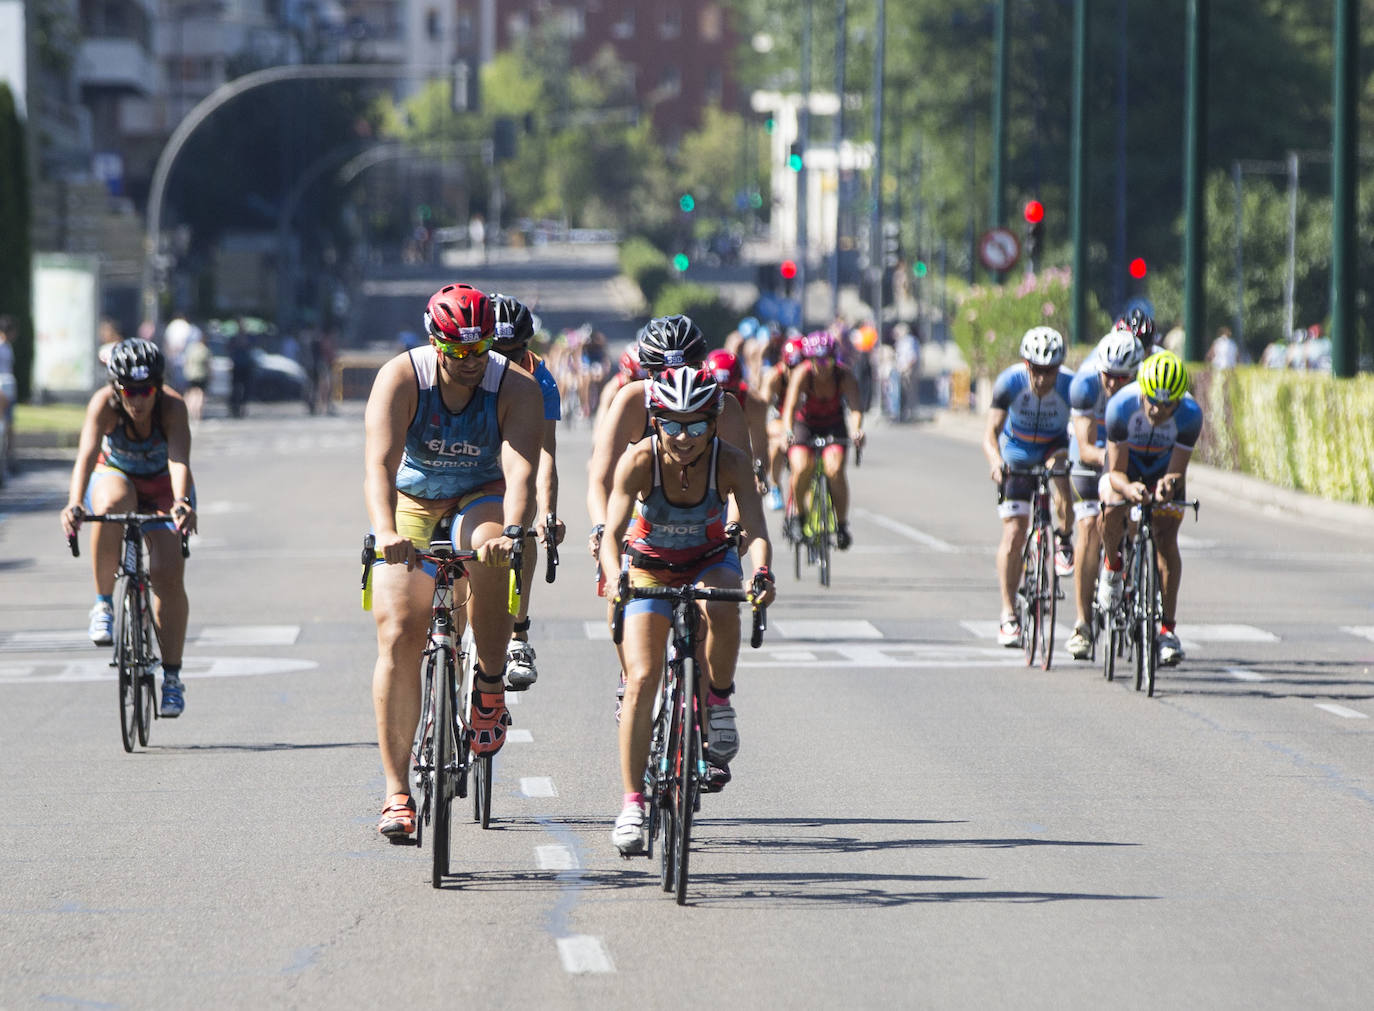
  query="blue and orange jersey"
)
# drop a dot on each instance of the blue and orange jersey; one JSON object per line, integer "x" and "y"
{"x": 1035, "y": 426}
{"x": 1151, "y": 445}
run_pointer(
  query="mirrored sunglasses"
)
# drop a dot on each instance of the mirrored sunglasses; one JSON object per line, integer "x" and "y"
{"x": 694, "y": 429}
{"x": 137, "y": 389}
{"x": 453, "y": 349}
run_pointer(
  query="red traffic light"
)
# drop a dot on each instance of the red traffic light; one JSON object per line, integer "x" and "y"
{"x": 1034, "y": 212}
{"x": 788, "y": 269}
{"x": 1137, "y": 268}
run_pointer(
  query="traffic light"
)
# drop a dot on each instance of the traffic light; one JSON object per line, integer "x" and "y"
{"x": 687, "y": 202}
{"x": 1034, "y": 213}
{"x": 892, "y": 243}
{"x": 788, "y": 269}
{"x": 794, "y": 157}
{"x": 681, "y": 262}
{"x": 920, "y": 268}
{"x": 770, "y": 124}
{"x": 503, "y": 138}
{"x": 1138, "y": 268}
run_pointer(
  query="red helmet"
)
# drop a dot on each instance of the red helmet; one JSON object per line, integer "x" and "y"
{"x": 629, "y": 365}
{"x": 459, "y": 312}
{"x": 725, "y": 366}
{"x": 792, "y": 352}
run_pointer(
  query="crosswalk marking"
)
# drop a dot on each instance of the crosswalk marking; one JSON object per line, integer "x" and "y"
{"x": 1241, "y": 674}
{"x": 537, "y": 786}
{"x": 555, "y": 858}
{"x": 1361, "y": 631}
{"x": 582, "y": 953}
{"x": 825, "y": 630}
{"x": 515, "y": 736}
{"x": 1225, "y": 633}
{"x": 210, "y": 637}
{"x": 868, "y": 655}
{"x": 214, "y": 636}
{"x": 1342, "y": 711}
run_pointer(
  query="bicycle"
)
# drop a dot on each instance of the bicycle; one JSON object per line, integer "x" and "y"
{"x": 676, "y": 769}
{"x": 1038, "y": 596}
{"x": 815, "y": 529}
{"x": 135, "y": 643}
{"x": 1133, "y": 622}
{"x": 442, "y": 759}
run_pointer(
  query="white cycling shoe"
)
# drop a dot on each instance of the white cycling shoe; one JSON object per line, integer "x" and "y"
{"x": 1170, "y": 650}
{"x": 630, "y": 834}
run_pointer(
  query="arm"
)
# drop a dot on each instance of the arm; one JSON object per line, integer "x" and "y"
{"x": 1085, "y": 429}
{"x": 622, "y": 425}
{"x": 1117, "y": 458}
{"x": 520, "y": 412}
{"x": 849, "y": 389}
{"x": 99, "y": 417}
{"x": 390, "y": 407}
{"x": 176, "y": 422}
{"x": 997, "y": 417}
{"x": 795, "y": 388}
{"x": 548, "y": 478}
{"x": 756, "y": 410}
{"x": 733, "y": 427}
{"x": 739, "y": 483}
{"x": 631, "y": 479}
{"x": 1178, "y": 467}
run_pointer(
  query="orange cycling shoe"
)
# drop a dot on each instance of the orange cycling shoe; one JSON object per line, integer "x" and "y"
{"x": 398, "y": 817}
{"x": 490, "y": 718}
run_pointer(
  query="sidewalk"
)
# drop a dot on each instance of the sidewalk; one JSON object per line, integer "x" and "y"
{"x": 1236, "y": 487}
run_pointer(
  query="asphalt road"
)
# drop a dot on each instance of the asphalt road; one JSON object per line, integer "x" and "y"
{"x": 916, "y": 818}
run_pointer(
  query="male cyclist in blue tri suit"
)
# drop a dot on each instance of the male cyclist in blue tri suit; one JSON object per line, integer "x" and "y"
{"x": 1028, "y": 425}
{"x": 1152, "y": 426}
{"x": 1111, "y": 366}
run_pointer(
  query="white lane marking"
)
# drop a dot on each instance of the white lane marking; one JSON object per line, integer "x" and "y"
{"x": 194, "y": 668}
{"x": 1349, "y": 714}
{"x": 988, "y": 629}
{"x": 556, "y": 858}
{"x": 248, "y": 635}
{"x": 825, "y": 631}
{"x": 1226, "y": 633}
{"x": 897, "y": 527}
{"x": 537, "y": 786}
{"x": 1362, "y": 631}
{"x": 513, "y": 698}
{"x": 597, "y": 630}
{"x": 862, "y": 654}
{"x": 1241, "y": 674}
{"x": 793, "y": 655}
{"x": 582, "y": 953}
{"x": 514, "y": 736}
{"x": 51, "y": 640}
{"x": 1195, "y": 543}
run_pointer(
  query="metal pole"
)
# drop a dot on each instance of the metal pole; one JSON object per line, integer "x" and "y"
{"x": 1195, "y": 169}
{"x": 1345, "y": 93}
{"x": 1122, "y": 107}
{"x": 1238, "y": 177}
{"x": 841, "y": 39}
{"x": 1078, "y": 173}
{"x": 1290, "y": 274}
{"x": 803, "y": 183}
{"x": 876, "y": 221}
{"x": 996, "y": 203}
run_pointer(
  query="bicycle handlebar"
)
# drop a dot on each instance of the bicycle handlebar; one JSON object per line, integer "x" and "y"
{"x": 686, "y": 594}
{"x": 550, "y": 547}
{"x": 142, "y": 519}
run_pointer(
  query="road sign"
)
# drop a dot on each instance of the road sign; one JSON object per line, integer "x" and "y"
{"x": 999, "y": 249}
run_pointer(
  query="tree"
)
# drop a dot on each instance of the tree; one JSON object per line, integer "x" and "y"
{"x": 16, "y": 265}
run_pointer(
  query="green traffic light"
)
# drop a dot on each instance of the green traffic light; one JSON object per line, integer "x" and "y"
{"x": 687, "y": 203}
{"x": 794, "y": 162}
{"x": 680, "y": 262}
{"x": 770, "y": 124}
{"x": 919, "y": 268}
{"x": 755, "y": 200}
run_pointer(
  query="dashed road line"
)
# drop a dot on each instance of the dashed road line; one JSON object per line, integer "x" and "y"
{"x": 1342, "y": 711}
{"x": 1241, "y": 674}
{"x": 514, "y": 736}
{"x": 825, "y": 631}
{"x": 248, "y": 635}
{"x": 1360, "y": 631}
{"x": 556, "y": 858}
{"x": 911, "y": 533}
{"x": 537, "y": 786}
{"x": 583, "y": 953}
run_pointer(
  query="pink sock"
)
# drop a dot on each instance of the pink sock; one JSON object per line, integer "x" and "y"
{"x": 634, "y": 798}
{"x": 712, "y": 699}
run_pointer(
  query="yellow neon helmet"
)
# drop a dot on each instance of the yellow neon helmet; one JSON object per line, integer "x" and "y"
{"x": 1163, "y": 377}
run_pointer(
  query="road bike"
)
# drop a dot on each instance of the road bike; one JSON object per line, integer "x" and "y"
{"x": 135, "y": 641}
{"x": 813, "y": 531}
{"x": 676, "y": 770}
{"x": 1038, "y": 595}
{"x": 442, "y": 758}
{"x": 1131, "y": 626}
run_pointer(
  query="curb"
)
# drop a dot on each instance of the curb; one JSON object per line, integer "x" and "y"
{"x": 1239, "y": 488}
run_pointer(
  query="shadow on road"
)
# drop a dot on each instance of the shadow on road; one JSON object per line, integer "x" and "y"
{"x": 1317, "y": 680}
{"x": 263, "y": 746}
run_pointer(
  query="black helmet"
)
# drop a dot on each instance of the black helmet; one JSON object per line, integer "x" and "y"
{"x": 671, "y": 341}
{"x": 514, "y": 325}
{"x": 136, "y": 361}
{"x": 1142, "y": 325}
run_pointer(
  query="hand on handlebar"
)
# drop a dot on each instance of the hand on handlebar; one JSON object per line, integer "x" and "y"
{"x": 559, "y": 531}
{"x": 1137, "y": 493}
{"x": 184, "y": 514}
{"x": 594, "y": 539}
{"x": 497, "y": 551}
{"x": 998, "y": 472}
{"x": 71, "y": 520}
{"x": 396, "y": 550}
{"x": 762, "y": 590}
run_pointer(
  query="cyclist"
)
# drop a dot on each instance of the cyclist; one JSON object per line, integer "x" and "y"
{"x": 668, "y": 510}
{"x": 818, "y": 393}
{"x": 1152, "y": 426}
{"x": 1028, "y": 426}
{"x": 135, "y": 456}
{"x": 1111, "y": 366}
{"x": 514, "y": 331}
{"x": 452, "y": 434}
{"x": 729, "y": 375}
{"x": 773, "y": 390}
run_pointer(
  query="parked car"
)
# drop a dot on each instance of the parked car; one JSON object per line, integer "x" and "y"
{"x": 275, "y": 376}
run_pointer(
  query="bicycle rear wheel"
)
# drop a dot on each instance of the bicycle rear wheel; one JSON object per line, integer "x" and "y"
{"x": 685, "y": 778}
{"x": 147, "y": 657}
{"x": 126, "y": 623}
{"x": 1030, "y": 595}
{"x": 442, "y": 799}
{"x": 1149, "y": 609}
{"x": 665, "y": 794}
{"x": 1047, "y": 603}
{"x": 823, "y": 511}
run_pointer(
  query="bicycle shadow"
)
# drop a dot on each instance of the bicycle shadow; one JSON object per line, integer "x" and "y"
{"x": 1315, "y": 680}
{"x": 853, "y": 844}
{"x": 262, "y": 746}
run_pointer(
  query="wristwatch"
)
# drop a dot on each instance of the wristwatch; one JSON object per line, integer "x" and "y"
{"x": 513, "y": 532}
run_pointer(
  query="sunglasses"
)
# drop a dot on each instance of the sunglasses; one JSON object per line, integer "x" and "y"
{"x": 695, "y": 429}
{"x": 1045, "y": 370}
{"x": 138, "y": 391}
{"x": 1163, "y": 405}
{"x": 461, "y": 351}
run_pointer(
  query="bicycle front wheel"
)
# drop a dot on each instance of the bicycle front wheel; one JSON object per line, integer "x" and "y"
{"x": 1150, "y": 611}
{"x": 441, "y": 801}
{"x": 147, "y": 658}
{"x": 126, "y": 625}
{"x": 1047, "y": 603}
{"x": 685, "y": 780}
{"x": 1030, "y": 596}
{"x": 824, "y": 523}
{"x": 664, "y": 759}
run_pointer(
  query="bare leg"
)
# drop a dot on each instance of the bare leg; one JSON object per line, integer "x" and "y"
{"x": 400, "y": 603}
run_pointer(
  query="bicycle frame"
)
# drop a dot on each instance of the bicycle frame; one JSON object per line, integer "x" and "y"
{"x": 1037, "y": 596}
{"x": 817, "y": 524}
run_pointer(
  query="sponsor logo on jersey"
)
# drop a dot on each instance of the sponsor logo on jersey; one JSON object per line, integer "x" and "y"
{"x": 459, "y": 448}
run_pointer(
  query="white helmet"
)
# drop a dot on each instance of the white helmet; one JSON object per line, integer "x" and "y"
{"x": 685, "y": 390}
{"x": 1043, "y": 346}
{"x": 1119, "y": 354}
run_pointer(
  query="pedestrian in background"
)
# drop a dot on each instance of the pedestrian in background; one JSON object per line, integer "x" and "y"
{"x": 195, "y": 367}
{"x": 1223, "y": 354}
{"x": 9, "y": 393}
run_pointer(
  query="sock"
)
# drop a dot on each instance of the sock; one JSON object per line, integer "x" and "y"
{"x": 715, "y": 698}
{"x": 171, "y": 670}
{"x": 1166, "y": 626}
{"x": 1113, "y": 568}
{"x": 634, "y": 798}
{"x": 105, "y": 598}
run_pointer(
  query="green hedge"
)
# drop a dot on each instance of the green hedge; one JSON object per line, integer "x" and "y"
{"x": 1307, "y": 431}
{"x": 703, "y": 303}
{"x": 991, "y": 319}
{"x": 646, "y": 265}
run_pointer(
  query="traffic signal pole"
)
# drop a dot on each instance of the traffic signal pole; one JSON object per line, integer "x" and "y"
{"x": 841, "y": 37}
{"x": 1078, "y": 174}
{"x": 804, "y": 138}
{"x": 1194, "y": 171}
{"x": 1344, "y": 168}
{"x": 997, "y": 203}
{"x": 876, "y": 225}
